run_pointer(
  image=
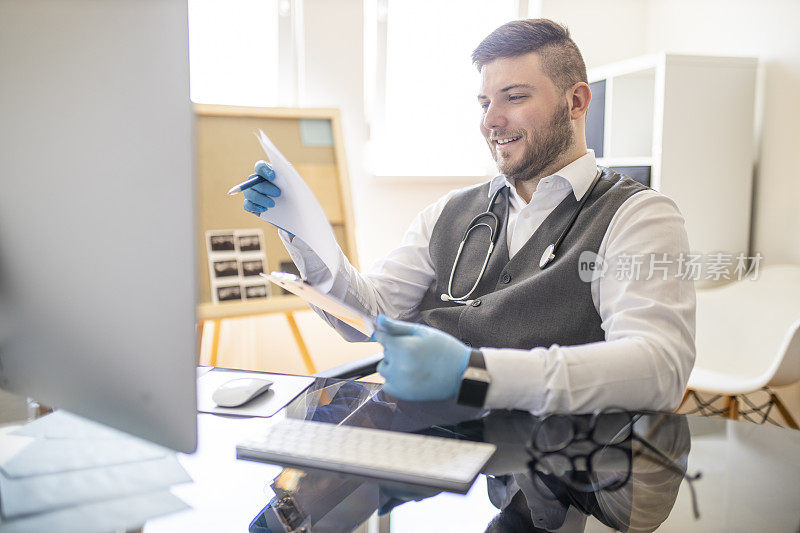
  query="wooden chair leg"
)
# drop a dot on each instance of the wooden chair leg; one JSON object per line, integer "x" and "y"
{"x": 790, "y": 421}
{"x": 731, "y": 408}
{"x": 686, "y": 395}
{"x": 733, "y": 414}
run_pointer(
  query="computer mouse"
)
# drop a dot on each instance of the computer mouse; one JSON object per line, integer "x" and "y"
{"x": 239, "y": 391}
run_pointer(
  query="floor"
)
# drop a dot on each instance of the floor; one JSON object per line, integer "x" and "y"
{"x": 265, "y": 343}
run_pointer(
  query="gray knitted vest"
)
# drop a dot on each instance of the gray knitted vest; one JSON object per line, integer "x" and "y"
{"x": 518, "y": 304}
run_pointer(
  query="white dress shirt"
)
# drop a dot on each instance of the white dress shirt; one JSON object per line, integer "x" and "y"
{"x": 649, "y": 324}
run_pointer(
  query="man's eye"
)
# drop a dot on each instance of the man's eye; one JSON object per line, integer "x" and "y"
{"x": 484, "y": 105}
{"x": 516, "y": 96}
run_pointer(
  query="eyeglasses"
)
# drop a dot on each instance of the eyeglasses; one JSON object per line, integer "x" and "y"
{"x": 594, "y": 453}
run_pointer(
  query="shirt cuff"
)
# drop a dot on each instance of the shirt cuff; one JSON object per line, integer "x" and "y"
{"x": 311, "y": 267}
{"x": 515, "y": 393}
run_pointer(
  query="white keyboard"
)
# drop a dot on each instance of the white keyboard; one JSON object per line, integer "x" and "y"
{"x": 436, "y": 462}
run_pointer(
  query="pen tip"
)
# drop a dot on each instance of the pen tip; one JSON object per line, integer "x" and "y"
{"x": 233, "y": 190}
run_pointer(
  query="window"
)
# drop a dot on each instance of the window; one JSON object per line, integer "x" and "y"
{"x": 422, "y": 86}
{"x": 240, "y": 49}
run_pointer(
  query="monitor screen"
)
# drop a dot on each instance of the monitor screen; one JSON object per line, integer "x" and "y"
{"x": 97, "y": 261}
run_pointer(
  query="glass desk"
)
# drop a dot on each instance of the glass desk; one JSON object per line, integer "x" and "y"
{"x": 611, "y": 471}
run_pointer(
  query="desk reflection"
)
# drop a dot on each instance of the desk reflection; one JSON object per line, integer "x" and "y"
{"x": 550, "y": 473}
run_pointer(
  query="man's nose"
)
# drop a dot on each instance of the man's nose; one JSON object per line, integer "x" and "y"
{"x": 494, "y": 118}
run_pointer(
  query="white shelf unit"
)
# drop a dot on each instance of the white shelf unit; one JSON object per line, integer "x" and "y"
{"x": 690, "y": 119}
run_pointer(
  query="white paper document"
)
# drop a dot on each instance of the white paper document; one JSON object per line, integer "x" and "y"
{"x": 353, "y": 317}
{"x": 63, "y": 442}
{"x": 11, "y": 445}
{"x": 120, "y": 514}
{"x": 298, "y": 211}
{"x": 62, "y": 424}
{"x": 37, "y": 494}
{"x": 51, "y": 456}
{"x": 62, "y": 465}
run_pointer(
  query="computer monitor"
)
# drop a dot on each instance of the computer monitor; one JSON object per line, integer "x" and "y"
{"x": 97, "y": 251}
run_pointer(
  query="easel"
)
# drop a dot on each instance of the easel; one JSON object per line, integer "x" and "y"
{"x": 216, "y": 313}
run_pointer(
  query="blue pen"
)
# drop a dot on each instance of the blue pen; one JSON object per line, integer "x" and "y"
{"x": 252, "y": 179}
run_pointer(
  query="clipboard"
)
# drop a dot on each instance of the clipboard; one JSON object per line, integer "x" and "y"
{"x": 329, "y": 304}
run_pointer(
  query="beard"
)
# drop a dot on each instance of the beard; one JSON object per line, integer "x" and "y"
{"x": 542, "y": 148}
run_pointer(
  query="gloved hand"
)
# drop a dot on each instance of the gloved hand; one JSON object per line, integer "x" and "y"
{"x": 420, "y": 363}
{"x": 260, "y": 196}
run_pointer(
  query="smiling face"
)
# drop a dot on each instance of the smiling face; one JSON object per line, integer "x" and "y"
{"x": 526, "y": 119}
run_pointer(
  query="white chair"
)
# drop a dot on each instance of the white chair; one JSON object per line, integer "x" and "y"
{"x": 748, "y": 339}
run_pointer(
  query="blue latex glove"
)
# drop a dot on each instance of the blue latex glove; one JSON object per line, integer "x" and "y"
{"x": 261, "y": 196}
{"x": 420, "y": 363}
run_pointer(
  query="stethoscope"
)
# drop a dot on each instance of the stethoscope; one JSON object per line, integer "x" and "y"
{"x": 493, "y": 223}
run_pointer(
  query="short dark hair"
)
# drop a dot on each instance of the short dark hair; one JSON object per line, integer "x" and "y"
{"x": 561, "y": 60}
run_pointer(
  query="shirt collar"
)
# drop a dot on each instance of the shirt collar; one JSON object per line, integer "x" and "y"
{"x": 579, "y": 174}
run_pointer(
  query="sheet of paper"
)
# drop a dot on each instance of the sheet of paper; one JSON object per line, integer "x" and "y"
{"x": 62, "y": 424}
{"x": 50, "y": 456}
{"x": 327, "y": 303}
{"x": 62, "y": 442}
{"x": 10, "y": 444}
{"x": 284, "y": 389}
{"x": 298, "y": 211}
{"x": 37, "y": 494}
{"x": 120, "y": 514}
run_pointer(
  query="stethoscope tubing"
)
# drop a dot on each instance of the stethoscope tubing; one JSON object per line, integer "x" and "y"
{"x": 550, "y": 251}
{"x": 494, "y": 233}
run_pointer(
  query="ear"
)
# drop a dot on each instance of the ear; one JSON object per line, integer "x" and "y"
{"x": 579, "y": 96}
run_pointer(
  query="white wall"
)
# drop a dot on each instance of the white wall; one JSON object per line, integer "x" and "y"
{"x": 334, "y": 53}
{"x": 604, "y": 30}
{"x": 769, "y": 30}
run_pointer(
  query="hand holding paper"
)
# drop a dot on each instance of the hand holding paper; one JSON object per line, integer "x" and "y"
{"x": 350, "y": 316}
{"x": 259, "y": 191}
{"x": 294, "y": 208}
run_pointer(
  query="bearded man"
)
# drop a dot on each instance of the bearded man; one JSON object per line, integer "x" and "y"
{"x": 536, "y": 290}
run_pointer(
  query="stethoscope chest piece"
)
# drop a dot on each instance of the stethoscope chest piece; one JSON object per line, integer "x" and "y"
{"x": 550, "y": 252}
{"x": 547, "y": 256}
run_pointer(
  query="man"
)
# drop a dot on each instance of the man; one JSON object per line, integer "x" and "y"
{"x": 549, "y": 338}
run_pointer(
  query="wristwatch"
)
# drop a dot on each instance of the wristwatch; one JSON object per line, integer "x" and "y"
{"x": 475, "y": 381}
